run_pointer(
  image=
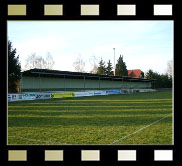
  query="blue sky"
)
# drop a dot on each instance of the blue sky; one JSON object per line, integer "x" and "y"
{"x": 143, "y": 44}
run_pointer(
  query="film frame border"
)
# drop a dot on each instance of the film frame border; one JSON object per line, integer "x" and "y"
{"x": 107, "y": 153}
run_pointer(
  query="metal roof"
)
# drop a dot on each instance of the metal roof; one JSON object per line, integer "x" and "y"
{"x": 68, "y": 74}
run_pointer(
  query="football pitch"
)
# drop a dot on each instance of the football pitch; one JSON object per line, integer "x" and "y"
{"x": 140, "y": 118}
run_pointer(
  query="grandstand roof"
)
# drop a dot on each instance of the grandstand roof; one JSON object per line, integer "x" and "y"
{"x": 78, "y": 75}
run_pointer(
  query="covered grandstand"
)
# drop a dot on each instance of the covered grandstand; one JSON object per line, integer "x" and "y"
{"x": 54, "y": 80}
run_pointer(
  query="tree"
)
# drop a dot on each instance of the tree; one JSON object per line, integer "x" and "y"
{"x": 121, "y": 69}
{"x": 35, "y": 61}
{"x": 32, "y": 62}
{"x": 102, "y": 68}
{"x": 166, "y": 81}
{"x": 109, "y": 68}
{"x": 79, "y": 64}
{"x": 150, "y": 74}
{"x": 170, "y": 68}
{"x": 161, "y": 80}
{"x": 14, "y": 68}
{"x": 49, "y": 61}
{"x": 93, "y": 61}
{"x": 40, "y": 63}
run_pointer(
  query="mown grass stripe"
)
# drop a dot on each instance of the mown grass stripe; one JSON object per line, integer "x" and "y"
{"x": 35, "y": 140}
{"x": 140, "y": 102}
{"x": 75, "y": 106}
{"x": 121, "y": 100}
{"x": 83, "y": 116}
{"x": 83, "y": 100}
{"x": 105, "y": 110}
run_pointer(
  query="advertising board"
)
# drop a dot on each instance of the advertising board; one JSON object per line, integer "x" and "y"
{"x": 90, "y": 93}
{"x": 28, "y": 96}
{"x": 9, "y": 97}
{"x": 111, "y": 92}
{"x": 81, "y": 94}
{"x": 98, "y": 93}
{"x": 62, "y": 95}
{"x": 42, "y": 96}
{"x": 14, "y": 97}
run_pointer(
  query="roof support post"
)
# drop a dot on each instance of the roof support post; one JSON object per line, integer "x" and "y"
{"x": 39, "y": 83}
{"x": 64, "y": 83}
{"x": 112, "y": 84}
{"x": 84, "y": 82}
{"x": 21, "y": 82}
{"x": 99, "y": 82}
{"x": 129, "y": 84}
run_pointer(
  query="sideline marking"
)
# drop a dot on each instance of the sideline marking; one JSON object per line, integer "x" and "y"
{"x": 139, "y": 130}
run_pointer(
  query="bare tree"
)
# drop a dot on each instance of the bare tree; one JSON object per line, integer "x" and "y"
{"x": 40, "y": 63}
{"x": 170, "y": 68}
{"x": 79, "y": 65}
{"x": 49, "y": 61}
{"x": 31, "y": 61}
{"x": 94, "y": 63}
{"x": 35, "y": 61}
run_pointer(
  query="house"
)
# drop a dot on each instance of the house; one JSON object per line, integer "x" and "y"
{"x": 136, "y": 73}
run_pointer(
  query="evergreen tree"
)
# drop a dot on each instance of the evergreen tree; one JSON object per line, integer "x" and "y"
{"x": 102, "y": 68}
{"x": 150, "y": 74}
{"x": 14, "y": 68}
{"x": 109, "y": 68}
{"x": 121, "y": 69}
{"x": 161, "y": 80}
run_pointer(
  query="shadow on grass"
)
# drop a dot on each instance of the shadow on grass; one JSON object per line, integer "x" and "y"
{"x": 91, "y": 112}
{"x": 95, "y": 121}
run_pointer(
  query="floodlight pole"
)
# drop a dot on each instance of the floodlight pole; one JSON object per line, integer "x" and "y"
{"x": 114, "y": 61}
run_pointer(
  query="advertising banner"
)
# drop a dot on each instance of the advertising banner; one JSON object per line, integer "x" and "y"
{"x": 9, "y": 97}
{"x": 81, "y": 94}
{"x": 19, "y": 96}
{"x": 14, "y": 97}
{"x": 28, "y": 96}
{"x": 42, "y": 96}
{"x": 90, "y": 93}
{"x": 111, "y": 92}
{"x": 98, "y": 93}
{"x": 124, "y": 91}
{"x": 62, "y": 95}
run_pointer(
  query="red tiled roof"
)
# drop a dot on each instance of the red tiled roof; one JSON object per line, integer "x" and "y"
{"x": 134, "y": 73}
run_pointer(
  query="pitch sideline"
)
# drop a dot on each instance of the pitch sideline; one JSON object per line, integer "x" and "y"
{"x": 139, "y": 130}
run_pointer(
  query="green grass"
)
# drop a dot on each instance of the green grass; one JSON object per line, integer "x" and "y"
{"x": 141, "y": 118}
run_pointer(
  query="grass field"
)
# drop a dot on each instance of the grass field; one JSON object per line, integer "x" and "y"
{"x": 141, "y": 118}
